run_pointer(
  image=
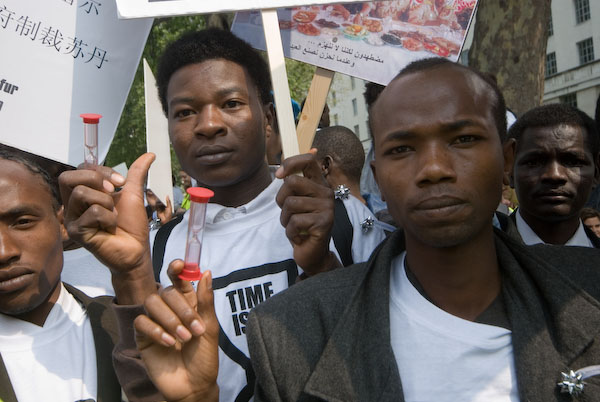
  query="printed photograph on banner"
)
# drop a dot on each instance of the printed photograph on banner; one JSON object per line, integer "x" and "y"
{"x": 368, "y": 40}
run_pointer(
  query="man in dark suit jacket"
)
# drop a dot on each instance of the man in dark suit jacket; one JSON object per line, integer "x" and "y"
{"x": 555, "y": 169}
{"x": 440, "y": 164}
{"x": 449, "y": 309}
{"x": 33, "y": 299}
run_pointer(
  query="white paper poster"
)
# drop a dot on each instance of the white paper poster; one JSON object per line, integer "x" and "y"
{"x": 158, "y": 8}
{"x": 368, "y": 40}
{"x": 61, "y": 58}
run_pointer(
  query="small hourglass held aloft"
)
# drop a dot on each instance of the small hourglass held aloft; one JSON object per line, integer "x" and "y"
{"x": 199, "y": 197}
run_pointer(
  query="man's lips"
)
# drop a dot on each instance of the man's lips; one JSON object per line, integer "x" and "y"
{"x": 12, "y": 279}
{"x": 213, "y": 154}
{"x": 553, "y": 196}
{"x": 439, "y": 203}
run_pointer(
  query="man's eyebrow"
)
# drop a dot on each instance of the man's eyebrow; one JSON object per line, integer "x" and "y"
{"x": 457, "y": 125}
{"x": 19, "y": 210}
{"x": 222, "y": 92}
{"x": 444, "y": 127}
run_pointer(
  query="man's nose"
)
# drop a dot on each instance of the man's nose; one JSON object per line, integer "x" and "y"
{"x": 435, "y": 164}
{"x": 9, "y": 250}
{"x": 554, "y": 171}
{"x": 209, "y": 122}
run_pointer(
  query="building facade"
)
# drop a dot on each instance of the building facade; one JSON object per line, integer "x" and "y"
{"x": 347, "y": 106}
{"x": 572, "y": 54}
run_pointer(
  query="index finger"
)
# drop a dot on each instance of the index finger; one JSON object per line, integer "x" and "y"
{"x": 185, "y": 287}
{"x": 306, "y": 164}
{"x": 102, "y": 178}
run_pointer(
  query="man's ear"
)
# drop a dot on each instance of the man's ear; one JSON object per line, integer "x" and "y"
{"x": 326, "y": 164}
{"x": 60, "y": 215}
{"x": 269, "y": 111}
{"x": 509, "y": 150}
{"x": 374, "y": 170}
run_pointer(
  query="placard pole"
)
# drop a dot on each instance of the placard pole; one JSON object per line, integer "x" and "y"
{"x": 281, "y": 90}
{"x": 313, "y": 108}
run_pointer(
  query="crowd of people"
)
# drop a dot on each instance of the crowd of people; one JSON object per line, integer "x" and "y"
{"x": 305, "y": 294}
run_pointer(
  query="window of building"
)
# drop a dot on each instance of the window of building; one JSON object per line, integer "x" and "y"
{"x": 335, "y": 120}
{"x": 355, "y": 106}
{"x": 550, "y": 25}
{"x": 352, "y": 83}
{"x": 582, "y": 10}
{"x": 357, "y": 130}
{"x": 586, "y": 50}
{"x": 333, "y": 98}
{"x": 569, "y": 99}
{"x": 550, "y": 64}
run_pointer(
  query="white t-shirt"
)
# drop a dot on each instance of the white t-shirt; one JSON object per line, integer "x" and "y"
{"x": 530, "y": 237}
{"x": 56, "y": 362}
{"x": 251, "y": 259}
{"x": 442, "y": 357}
{"x": 83, "y": 271}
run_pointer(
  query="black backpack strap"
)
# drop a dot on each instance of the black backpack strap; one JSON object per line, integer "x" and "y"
{"x": 160, "y": 244}
{"x": 342, "y": 232}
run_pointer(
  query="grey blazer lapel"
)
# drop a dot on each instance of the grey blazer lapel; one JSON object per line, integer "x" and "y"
{"x": 358, "y": 363}
{"x": 553, "y": 321}
{"x": 7, "y": 393}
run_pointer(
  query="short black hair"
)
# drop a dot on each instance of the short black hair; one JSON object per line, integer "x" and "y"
{"x": 498, "y": 107}
{"x": 344, "y": 146}
{"x": 555, "y": 114}
{"x": 210, "y": 44}
{"x": 372, "y": 92}
{"x": 30, "y": 164}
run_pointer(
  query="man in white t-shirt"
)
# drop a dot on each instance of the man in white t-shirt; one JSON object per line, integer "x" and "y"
{"x": 555, "y": 169}
{"x": 448, "y": 309}
{"x": 261, "y": 234}
{"x": 55, "y": 342}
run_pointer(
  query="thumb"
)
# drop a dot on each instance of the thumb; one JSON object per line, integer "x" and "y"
{"x": 138, "y": 171}
{"x": 206, "y": 306}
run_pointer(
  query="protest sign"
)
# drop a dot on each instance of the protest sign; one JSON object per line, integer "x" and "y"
{"x": 159, "y": 8}
{"x": 61, "y": 58}
{"x": 157, "y": 140}
{"x": 368, "y": 40}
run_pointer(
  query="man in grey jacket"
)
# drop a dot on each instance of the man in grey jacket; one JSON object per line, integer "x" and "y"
{"x": 448, "y": 309}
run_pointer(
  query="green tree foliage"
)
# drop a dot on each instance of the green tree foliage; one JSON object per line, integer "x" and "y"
{"x": 299, "y": 78}
{"x": 130, "y": 139}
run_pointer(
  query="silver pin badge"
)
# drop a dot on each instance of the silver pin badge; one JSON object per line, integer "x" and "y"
{"x": 572, "y": 382}
{"x": 367, "y": 224}
{"x": 341, "y": 192}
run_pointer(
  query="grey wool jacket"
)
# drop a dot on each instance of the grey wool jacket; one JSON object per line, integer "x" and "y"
{"x": 328, "y": 338}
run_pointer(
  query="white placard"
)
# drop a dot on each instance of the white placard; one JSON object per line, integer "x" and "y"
{"x": 159, "y": 8}
{"x": 61, "y": 58}
{"x": 157, "y": 140}
{"x": 369, "y": 40}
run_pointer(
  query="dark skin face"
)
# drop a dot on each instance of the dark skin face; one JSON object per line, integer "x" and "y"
{"x": 217, "y": 127}
{"x": 553, "y": 175}
{"x": 439, "y": 164}
{"x": 31, "y": 236}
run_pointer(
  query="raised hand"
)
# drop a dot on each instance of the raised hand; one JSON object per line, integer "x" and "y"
{"x": 307, "y": 213}
{"x": 178, "y": 339}
{"x": 112, "y": 225}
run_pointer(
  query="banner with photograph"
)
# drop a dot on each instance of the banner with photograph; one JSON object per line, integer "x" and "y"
{"x": 368, "y": 40}
{"x": 62, "y": 58}
{"x": 162, "y": 8}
